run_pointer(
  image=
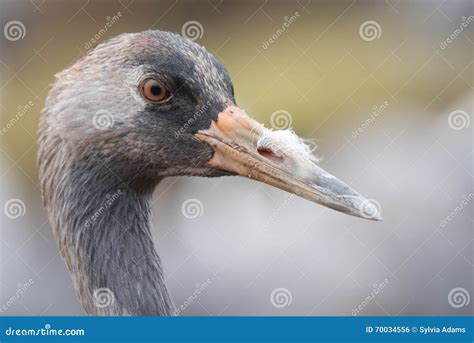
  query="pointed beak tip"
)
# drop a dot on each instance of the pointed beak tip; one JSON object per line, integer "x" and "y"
{"x": 374, "y": 215}
{"x": 367, "y": 209}
{"x": 377, "y": 218}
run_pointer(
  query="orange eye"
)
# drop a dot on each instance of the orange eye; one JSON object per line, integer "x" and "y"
{"x": 154, "y": 91}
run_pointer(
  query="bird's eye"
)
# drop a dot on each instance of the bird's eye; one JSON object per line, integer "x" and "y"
{"x": 154, "y": 91}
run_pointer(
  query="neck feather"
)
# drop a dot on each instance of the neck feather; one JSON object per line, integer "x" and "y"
{"x": 101, "y": 222}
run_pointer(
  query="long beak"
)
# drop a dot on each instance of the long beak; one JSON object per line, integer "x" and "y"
{"x": 281, "y": 159}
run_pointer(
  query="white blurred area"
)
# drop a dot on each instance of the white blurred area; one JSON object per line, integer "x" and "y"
{"x": 252, "y": 239}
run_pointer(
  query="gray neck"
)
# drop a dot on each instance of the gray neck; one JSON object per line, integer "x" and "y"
{"x": 104, "y": 236}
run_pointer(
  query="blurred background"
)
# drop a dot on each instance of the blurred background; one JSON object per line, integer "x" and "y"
{"x": 385, "y": 89}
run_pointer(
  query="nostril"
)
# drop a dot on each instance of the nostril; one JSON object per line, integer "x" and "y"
{"x": 269, "y": 154}
{"x": 265, "y": 152}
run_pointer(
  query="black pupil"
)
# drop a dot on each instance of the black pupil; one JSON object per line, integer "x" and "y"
{"x": 155, "y": 89}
